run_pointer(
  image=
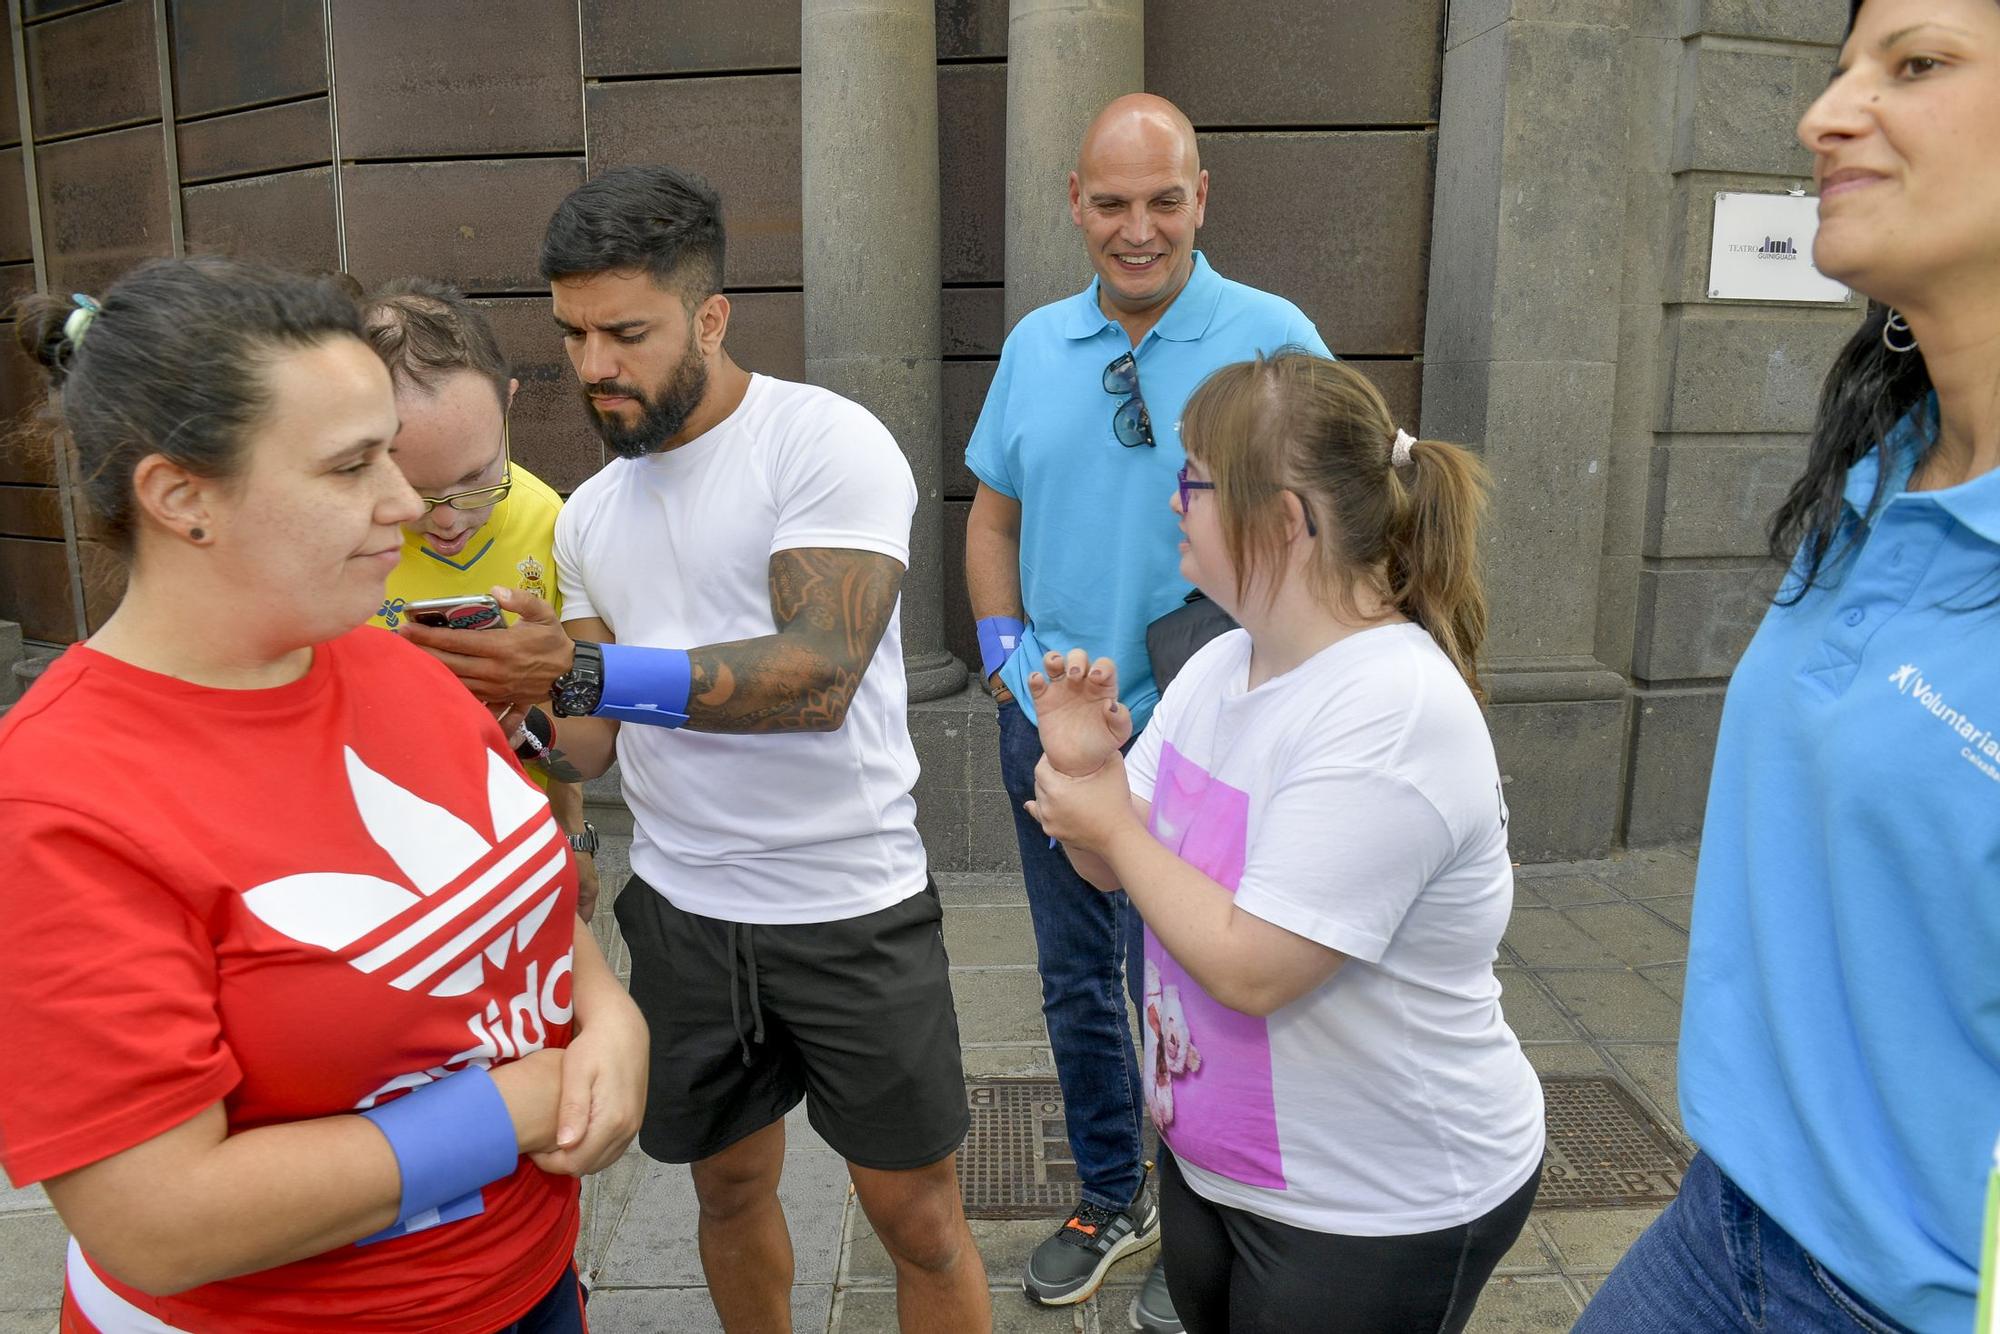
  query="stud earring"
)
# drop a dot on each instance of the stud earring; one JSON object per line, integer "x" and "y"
{"x": 197, "y": 534}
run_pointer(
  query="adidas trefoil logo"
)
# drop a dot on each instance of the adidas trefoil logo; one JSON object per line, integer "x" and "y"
{"x": 456, "y": 933}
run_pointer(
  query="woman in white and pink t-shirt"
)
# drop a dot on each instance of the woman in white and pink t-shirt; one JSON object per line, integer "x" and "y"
{"x": 1313, "y": 828}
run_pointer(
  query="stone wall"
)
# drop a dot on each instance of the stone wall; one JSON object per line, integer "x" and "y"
{"x": 164, "y": 127}
{"x": 1639, "y": 432}
{"x": 1714, "y": 397}
{"x": 1499, "y": 208}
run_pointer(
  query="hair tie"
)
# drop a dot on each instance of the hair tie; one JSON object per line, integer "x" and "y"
{"x": 1399, "y": 453}
{"x": 79, "y": 321}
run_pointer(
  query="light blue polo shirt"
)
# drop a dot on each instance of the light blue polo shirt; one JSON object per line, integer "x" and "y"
{"x": 1100, "y": 552}
{"x": 1840, "y": 1042}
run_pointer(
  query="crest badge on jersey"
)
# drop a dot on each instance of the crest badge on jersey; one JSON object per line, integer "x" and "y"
{"x": 531, "y": 577}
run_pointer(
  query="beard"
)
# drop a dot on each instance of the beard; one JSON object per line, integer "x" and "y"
{"x": 662, "y": 413}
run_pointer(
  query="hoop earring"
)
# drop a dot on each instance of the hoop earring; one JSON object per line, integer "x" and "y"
{"x": 1896, "y": 327}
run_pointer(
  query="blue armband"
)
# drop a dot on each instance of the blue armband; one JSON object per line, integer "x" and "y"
{"x": 645, "y": 685}
{"x": 999, "y": 636}
{"x": 450, "y": 1138}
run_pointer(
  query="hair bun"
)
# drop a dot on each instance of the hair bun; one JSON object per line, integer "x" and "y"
{"x": 38, "y": 328}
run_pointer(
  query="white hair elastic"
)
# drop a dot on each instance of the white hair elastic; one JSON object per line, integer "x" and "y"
{"x": 79, "y": 319}
{"x": 1399, "y": 453}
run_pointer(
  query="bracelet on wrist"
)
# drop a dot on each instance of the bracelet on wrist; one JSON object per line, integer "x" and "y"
{"x": 535, "y": 737}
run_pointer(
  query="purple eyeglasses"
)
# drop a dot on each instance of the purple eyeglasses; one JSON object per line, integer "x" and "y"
{"x": 1186, "y": 486}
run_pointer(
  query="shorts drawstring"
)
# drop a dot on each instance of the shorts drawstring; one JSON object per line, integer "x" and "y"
{"x": 756, "y": 1000}
{"x": 756, "y": 1033}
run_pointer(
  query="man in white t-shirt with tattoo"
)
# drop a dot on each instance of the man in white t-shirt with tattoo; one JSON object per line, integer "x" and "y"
{"x": 730, "y": 588}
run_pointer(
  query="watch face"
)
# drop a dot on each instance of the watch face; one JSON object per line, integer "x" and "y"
{"x": 578, "y": 690}
{"x": 576, "y": 694}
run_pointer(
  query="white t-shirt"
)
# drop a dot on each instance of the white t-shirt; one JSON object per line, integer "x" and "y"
{"x": 1354, "y": 801}
{"x": 673, "y": 551}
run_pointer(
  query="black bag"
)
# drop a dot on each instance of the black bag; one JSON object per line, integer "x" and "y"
{"x": 1174, "y": 638}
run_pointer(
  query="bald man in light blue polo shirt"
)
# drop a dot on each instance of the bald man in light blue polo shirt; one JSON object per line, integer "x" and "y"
{"x": 1071, "y": 544}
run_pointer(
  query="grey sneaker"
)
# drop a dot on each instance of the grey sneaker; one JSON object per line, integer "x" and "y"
{"x": 1153, "y": 1309}
{"x": 1067, "y": 1267}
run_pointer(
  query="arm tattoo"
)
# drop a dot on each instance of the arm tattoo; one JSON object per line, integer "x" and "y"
{"x": 831, "y": 608}
{"x": 556, "y": 766}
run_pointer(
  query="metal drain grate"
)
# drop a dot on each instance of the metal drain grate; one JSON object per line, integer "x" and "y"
{"x": 1603, "y": 1148}
{"x": 1016, "y": 1161}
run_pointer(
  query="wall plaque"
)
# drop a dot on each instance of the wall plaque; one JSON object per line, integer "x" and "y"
{"x": 1762, "y": 250}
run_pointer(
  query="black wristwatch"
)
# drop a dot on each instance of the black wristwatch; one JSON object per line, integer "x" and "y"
{"x": 577, "y": 691}
{"x": 586, "y": 842}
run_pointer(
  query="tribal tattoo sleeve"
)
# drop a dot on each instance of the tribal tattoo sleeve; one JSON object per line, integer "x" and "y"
{"x": 831, "y": 607}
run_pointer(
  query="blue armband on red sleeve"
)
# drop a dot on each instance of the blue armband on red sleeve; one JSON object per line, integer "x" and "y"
{"x": 999, "y": 636}
{"x": 645, "y": 685}
{"x": 451, "y": 1138}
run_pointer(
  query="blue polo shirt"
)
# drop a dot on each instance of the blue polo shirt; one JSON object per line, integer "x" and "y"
{"x": 1100, "y": 545}
{"x": 1840, "y": 1043}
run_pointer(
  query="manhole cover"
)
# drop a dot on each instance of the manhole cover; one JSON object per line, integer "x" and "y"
{"x": 1603, "y": 1148}
{"x": 1016, "y": 1161}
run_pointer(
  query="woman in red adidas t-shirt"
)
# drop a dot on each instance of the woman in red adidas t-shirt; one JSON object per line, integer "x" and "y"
{"x": 304, "y": 1033}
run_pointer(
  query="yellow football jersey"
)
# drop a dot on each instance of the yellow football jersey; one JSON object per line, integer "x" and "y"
{"x": 516, "y": 548}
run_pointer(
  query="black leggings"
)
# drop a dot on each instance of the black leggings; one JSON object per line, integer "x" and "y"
{"x": 1233, "y": 1272}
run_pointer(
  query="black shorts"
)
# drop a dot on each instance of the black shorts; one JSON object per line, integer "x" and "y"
{"x": 855, "y": 1017}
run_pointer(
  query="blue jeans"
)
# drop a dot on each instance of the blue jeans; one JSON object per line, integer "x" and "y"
{"x": 1086, "y": 943}
{"x": 1715, "y": 1262}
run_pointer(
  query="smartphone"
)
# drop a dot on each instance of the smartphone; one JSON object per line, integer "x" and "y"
{"x": 468, "y": 613}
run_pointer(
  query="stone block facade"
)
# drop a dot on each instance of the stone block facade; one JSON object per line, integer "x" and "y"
{"x": 1716, "y": 397}
{"x": 1640, "y": 432}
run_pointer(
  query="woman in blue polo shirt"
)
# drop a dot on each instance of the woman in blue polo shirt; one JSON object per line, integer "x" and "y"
{"x": 1840, "y": 1048}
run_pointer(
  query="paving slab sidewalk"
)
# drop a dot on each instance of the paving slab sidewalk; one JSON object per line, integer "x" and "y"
{"x": 1591, "y": 972}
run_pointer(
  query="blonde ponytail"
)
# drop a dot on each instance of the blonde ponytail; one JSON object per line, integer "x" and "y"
{"x": 1434, "y": 567}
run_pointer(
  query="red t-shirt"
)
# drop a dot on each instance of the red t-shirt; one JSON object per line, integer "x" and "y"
{"x": 298, "y": 901}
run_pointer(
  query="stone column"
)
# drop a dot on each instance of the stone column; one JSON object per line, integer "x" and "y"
{"x": 1521, "y": 361}
{"x": 1065, "y": 60}
{"x": 870, "y": 193}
